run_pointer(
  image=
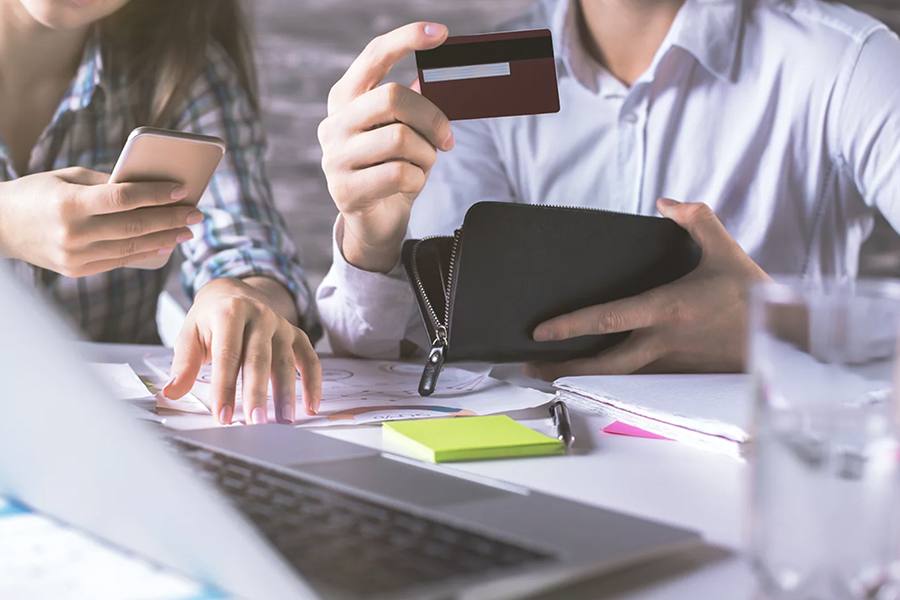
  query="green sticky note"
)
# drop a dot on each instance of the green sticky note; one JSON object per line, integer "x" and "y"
{"x": 467, "y": 438}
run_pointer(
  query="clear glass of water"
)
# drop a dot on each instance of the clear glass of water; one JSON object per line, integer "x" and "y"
{"x": 824, "y": 506}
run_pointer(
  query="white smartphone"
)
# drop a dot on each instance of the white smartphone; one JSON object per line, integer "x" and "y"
{"x": 152, "y": 154}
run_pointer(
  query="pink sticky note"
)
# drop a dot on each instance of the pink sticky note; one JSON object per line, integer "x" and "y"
{"x": 620, "y": 428}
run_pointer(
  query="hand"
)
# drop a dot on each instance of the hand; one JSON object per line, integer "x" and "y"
{"x": 232, "y": 325}
{"x": 696, "y": 323}
{"x": 378, "y": 146}
{"x": 73, "y": 222}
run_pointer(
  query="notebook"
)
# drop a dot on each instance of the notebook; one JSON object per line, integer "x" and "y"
{"x": 467, "y": 438}
{"x": 710, "y": 412}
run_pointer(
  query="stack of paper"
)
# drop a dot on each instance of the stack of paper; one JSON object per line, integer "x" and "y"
{"x": 711, "y": 412}
{"x": 359, "y": 392}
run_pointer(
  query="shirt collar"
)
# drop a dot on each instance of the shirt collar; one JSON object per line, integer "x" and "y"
{"x": 707, "y": 29}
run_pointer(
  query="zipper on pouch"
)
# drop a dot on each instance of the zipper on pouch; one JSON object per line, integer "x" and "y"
{"x": 441, "y": 343}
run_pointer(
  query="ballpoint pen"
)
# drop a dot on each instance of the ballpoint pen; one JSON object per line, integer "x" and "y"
{"x": 560, "y": 415}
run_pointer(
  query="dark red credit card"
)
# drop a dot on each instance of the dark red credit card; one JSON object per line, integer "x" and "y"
{"x": 492, "y": 75}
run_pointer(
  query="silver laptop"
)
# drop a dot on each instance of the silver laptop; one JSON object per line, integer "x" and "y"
{"x": 275, "y": 512}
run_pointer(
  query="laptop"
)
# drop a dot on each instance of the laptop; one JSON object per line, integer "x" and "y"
{"x": 270, "y": 511}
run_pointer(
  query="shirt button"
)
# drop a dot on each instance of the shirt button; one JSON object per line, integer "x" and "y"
{"x": 630, "y": 118}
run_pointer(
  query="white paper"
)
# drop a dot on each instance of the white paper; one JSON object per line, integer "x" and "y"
{"x": 356, "y": 392}
{"x": 121, "y": 381}
{"x": 712, "y": 405}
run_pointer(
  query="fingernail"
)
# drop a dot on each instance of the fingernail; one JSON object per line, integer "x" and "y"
{"x": 543, "y": 334}
{"x": 165, "y": 251}
{"x": 449, "y": 141}
{"x": 286, "y": 413}
{"x": 165, "y": 388}
{"x": 667, "y": 202}
{"x": 258, "y": 415}
{"x": 194, "y": 217}
{"x": 183, "y": 237}
{"x": 179, "y": 193}
{"x": 434, "y": 30}
{"x": 225, "y": 414}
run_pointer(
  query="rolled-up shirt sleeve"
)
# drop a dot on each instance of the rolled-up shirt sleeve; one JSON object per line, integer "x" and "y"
{"x": 868, "y": 123}
{"x": 375, "y": 315}
{"x": 242, "y": 233}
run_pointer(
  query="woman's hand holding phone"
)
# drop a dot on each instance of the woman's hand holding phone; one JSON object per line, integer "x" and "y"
{"x": 73, "y": 222}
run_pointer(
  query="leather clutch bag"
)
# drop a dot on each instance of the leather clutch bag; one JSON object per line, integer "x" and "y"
{"x": 511, "y": 266}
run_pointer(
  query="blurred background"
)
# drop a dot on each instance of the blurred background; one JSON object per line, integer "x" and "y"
{"x": 305, "y": 46}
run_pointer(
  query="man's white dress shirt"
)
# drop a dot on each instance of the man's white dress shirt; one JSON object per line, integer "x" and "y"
{"x": 783, "y": 116}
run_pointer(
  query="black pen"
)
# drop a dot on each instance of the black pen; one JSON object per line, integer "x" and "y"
{"x": 560, "y": 415}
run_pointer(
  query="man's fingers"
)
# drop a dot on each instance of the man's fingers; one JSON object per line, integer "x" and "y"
{"x": 227, "y": 345}
{"x": 186, "y": 364}
{"x": 637, "y": 312}
{"x": 284, "y": 378}
{"x": 633, "y": 354}
{"x": 257, "y": 362}
{"x": 135, "y": 223}
{"x": 307, "y": 361}
{"x": 393, "y": 103}
{"x": 697, "y": 219}
{"x": 121, "y": 197}
{"x": 379, "y": 56}
{"x": 383, "y": 180}
{"x": 385, "y": 144}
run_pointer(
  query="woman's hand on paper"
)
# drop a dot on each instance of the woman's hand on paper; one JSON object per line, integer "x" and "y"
{"x": 379, "y": 143}
{"x": 233, "y": 325}
{"x": 73, "y": 222}
{"x": 696, "y": 323}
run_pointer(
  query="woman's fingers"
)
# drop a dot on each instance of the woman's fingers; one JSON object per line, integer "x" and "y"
{"x": 307, "y": 361}
{"x": 137, "y": 223}
{"x": 257, "y": 362}
{"x": 163, "y": 242}
{"x": 102, "y": 266}
{"x": 186, "y": 363}
{"x": 227, "y": 345}
{"x": 122, "y": 197}
{"x": 284, "y": 378}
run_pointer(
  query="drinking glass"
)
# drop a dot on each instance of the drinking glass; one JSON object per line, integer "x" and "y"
{"x": 823, "y": 509}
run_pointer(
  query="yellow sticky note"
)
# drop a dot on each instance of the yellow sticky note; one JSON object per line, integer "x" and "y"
{"x": 467, "y": 438}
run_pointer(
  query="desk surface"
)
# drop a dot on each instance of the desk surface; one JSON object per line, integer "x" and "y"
{"x": 657, "y": 479}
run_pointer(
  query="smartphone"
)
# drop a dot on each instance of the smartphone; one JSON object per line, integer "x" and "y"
{"x": 152, "y": 154}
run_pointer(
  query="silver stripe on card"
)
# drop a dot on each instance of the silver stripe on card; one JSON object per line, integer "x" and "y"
{"x": 467, "y": 72}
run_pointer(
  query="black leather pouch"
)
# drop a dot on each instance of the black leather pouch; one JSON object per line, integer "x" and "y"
{"x": 482, "y": 291}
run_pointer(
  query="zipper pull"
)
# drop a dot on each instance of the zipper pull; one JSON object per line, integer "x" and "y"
{"x": 434, "y": 364}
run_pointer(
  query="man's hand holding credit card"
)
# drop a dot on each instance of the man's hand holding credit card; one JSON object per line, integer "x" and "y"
{"x": 380, "y": 140}
{"x": 493, "y": 75}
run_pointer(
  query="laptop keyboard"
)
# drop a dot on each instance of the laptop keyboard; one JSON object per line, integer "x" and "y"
{"x": 349, "y": 543}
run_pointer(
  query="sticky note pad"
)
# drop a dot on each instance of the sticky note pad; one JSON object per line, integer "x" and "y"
{"x": 467, "y": 438}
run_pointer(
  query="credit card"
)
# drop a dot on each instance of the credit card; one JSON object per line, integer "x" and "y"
{"x": 493, "y": 75}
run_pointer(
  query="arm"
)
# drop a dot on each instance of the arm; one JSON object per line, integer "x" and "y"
{"x": 241, "y": 268}
{"x": 380, "y": 156}
{"x": 866, "y": 124}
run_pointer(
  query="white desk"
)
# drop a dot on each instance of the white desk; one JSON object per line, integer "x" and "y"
{"x": 660, "y": 480}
